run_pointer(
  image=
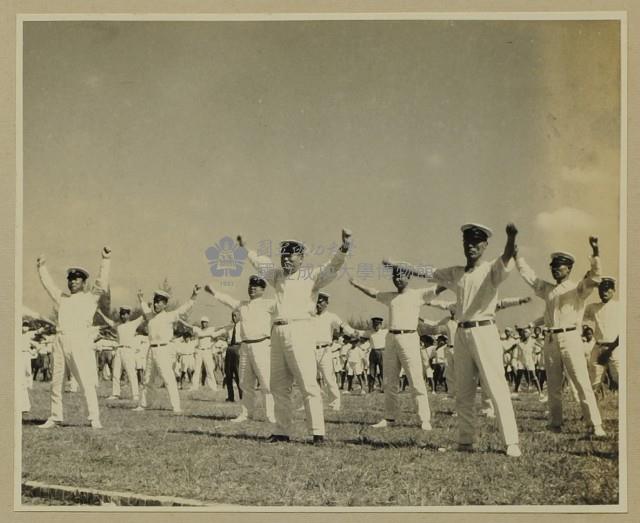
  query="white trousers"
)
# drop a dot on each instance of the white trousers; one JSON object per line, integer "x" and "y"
{"x": 403, "y": 351}
{"x": 475, "y": 353}
{"x": 160, "y": 362}
{"x": 450, "y": 372}
{"x": 565, "y": 351}
{"x": 204, "y": 357}
{"x": 74, "y": 350}
{"x": 125, "y": 358}
{"x": 292, "y": 357}
{"x": 26, "y": 379}
{"x": 596, "y": 371}
{"x": 324, "y": 362}
{"x": 255, "y": 365}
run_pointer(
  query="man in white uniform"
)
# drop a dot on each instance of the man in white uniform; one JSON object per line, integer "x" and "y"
{"x": 325, "y": 323}
{"x": 204, "y": 354}
{"x": 377, "y": 337}
{"x": 402, "y": 347}
{"x": 526, "y": 361}
{"x": 564, "y": 309}
{"x": 74, "y": 339}
{"x": 160, "y": 356}
{"x": 255, "y": 348}
{"x": 293, "y": 336}
{"x": 125, "y": 352}
{"x": 476, "y": 287}
{"x": 607, "y": 317}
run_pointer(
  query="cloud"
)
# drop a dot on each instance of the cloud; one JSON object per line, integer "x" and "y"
{"x": 565, "y": 219}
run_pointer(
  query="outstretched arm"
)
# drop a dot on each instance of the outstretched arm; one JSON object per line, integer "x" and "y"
{"x": 106, "y": 319}
{"x": 146, "y": 310}
{"x": 186, "y": 306}
{"x": 505, "y": 303}
{"x": 371, "y": 292}
{"x": 223, "y": 298}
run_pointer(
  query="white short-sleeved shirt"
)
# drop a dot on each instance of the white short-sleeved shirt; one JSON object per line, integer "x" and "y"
{"x": 476, "y": 290}
{"x": 606, "y": 317}
{"x": 404, "y": 308}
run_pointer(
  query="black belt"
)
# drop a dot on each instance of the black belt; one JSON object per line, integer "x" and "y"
{"x": 378, "y": 349}
{"x": 256, "y": 341}
{"x": 402, "y": 331}
{"x": 123, "y": 346}
{"x": 563, "y": 329}
{"x": 158, "y": 345}
{"x": 323, "y": 346}
{"x": 472, "y": 324}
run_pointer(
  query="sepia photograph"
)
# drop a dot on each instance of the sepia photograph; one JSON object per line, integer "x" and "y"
{"x": 321, "y": 263}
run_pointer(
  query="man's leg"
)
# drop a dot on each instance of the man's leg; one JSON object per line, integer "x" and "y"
{"x": 149, "y": 376}
{"x": 247, "y": 382}
{"x": 391, "y": 383}
{"x": 465, "y": 386}
{"x": 228, "y": 373}
{"x": 573, "y": 359}
{"x": 326, "y": 371}
{"x": 554, "y": 367}
{"x": 195, "y": 382}
{"x": 300, "y": 358}
{"x": 164, "y": 362}
{"x": 281, "y": 382}
{"x": 482, "y": 341}
{"x": 209, "y": 367}
{"x": 408, "y": 346}
{"x": 82, "y": 365}
{"x": 57, "y": 379}
{"x": 261, "y": 356}
{"x": 129, "y": 362}
{"x": 117, "y": 373}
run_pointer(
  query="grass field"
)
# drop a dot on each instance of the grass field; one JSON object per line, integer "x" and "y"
{"x": 200, "y": 455}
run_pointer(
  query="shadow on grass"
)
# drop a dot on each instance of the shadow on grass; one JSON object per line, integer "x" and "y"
{"x": 33, "y": 421}
{"x": 215, "y": 417}
{"x": 612, "y": 455}
{"x": 213, "y": 434}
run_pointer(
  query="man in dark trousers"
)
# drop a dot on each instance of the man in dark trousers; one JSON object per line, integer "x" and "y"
{"x": 232, "y": 360}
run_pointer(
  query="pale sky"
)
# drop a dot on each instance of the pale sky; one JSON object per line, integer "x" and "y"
{"x": 160, "y": 138}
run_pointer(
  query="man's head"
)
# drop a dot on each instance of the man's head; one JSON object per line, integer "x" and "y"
{"x": 561, "y": 265}
{"x": 125, "y": 314}
{"x": 376, "y": 323}
{"x": 257, "y": 286}
{"x": 25, "y": 326}
{"x": 235, "y": 316}
{"x": 291, "y": 256}
{"x": 442, "y": 340}
{"x": 525, "y": 333}
{"x": 204, "y": 322}
{"x": 76, "y": 279}
{"x": 160, "y": 300}
{"x": 587, "y": 332}
{"x": 400, "y": 278}
{"x": 322, "y": 303}
{"x": 508, "y": 332}
{"x": 537, "y": 331}
{"x": 474, "y": 241}
{"x": 606, "y": 289}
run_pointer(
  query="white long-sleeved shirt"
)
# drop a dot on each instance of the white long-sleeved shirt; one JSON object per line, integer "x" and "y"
{"x": 607, "y": 318}
{"x": 76, "y": 311}
{"x": 296, "y": 295}
{"x": 161, "y": 324}
{"x": 324, "y": 324}
{"x": 255, "y": 315}
{"x": 207, "y": 336}
{"x": 476, "y": 290}
{"x": 127, "y": 332}
{"x": 404, "y": 308}
{"x": 564, "y": 302}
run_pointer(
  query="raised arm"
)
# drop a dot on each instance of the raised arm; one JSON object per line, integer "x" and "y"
{"x": 505, "y": 303}
{"x": 262, "y": 264}
{"x": 101, "y": 284}
{"x": 223, "y": 298}
{"x": 106, "y": 319}
{"x": 592, "y": 278}
{"x": 146, "y": 310}
{"x": 328, "y": 271}
{"x": 186, "y": 306}
{"x": 540, "y": 287}
{"x": 371, "y": 292}
{"x": 510, "y": 247}
{"x": 46, "y": 280}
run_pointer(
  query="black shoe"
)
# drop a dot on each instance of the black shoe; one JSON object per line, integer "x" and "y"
{"x": 318, "y": 440}
{"x": 275, "y": 438}
{"x": 230, "y": 400}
